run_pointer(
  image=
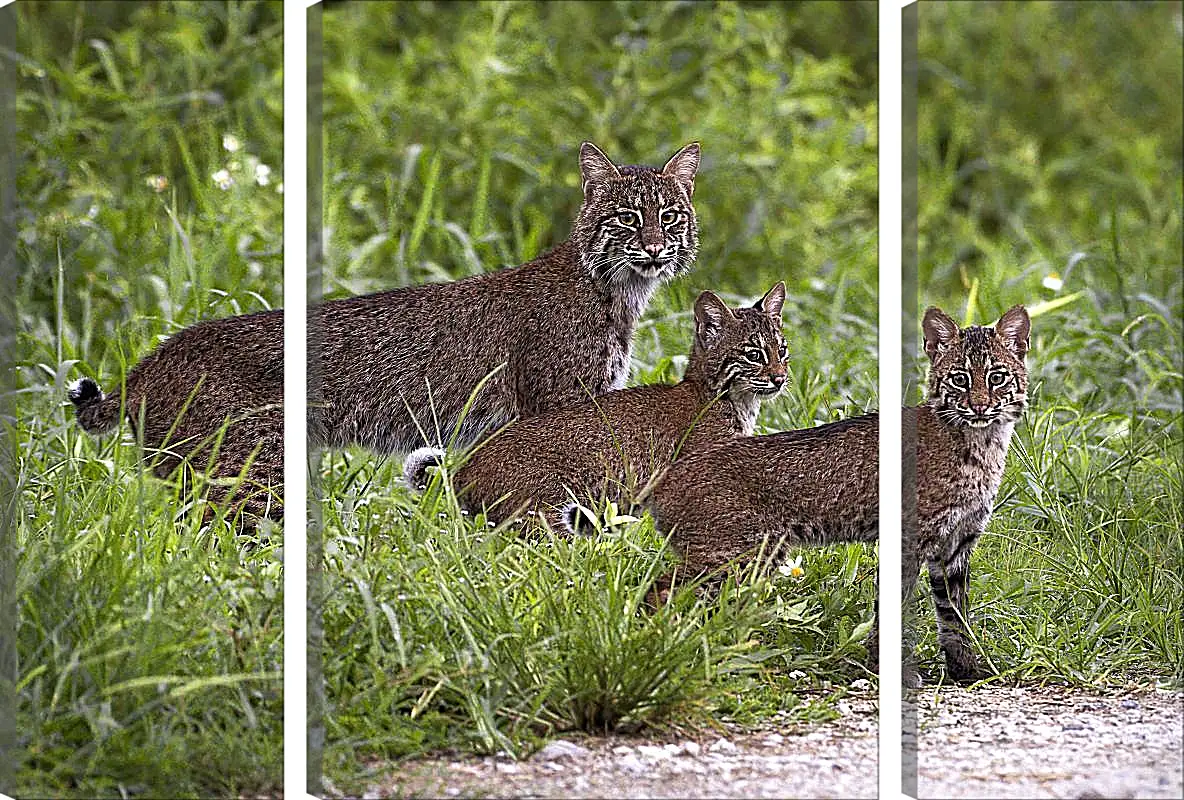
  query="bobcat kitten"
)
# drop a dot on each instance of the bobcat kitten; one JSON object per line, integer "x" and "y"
{"x": 390, "y": 368}
{"x": 821, "y": 485}
{"x": 612, "y": 445}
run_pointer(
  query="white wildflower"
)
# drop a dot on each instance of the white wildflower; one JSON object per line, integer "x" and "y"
{"x": 222, "y": 179}
{"x": 792, "y": 569}
{"x": 230, "y": 143}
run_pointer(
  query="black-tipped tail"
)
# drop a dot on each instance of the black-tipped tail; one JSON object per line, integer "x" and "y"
{"x": 415, "y": 468}
{"x": 96, "y": 412}
{"x": 575, "y": 520}
{"x": 84, "y": 391}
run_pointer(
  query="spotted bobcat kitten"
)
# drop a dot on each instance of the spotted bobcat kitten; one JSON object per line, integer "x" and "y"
{"x": 820, "y": 485}
{"x": 390, "y": 368}
{"x": 609, "y": 447}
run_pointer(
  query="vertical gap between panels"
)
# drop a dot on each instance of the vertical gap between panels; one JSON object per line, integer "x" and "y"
{"x": 9, "y": 664}
{"x": 908, "y": 354}
{"x": 315, "y": 688}
{"x": 890, "y": 235}
{"x": 295, "y": 402}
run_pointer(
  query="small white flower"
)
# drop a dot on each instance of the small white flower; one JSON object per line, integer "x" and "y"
{"x": 1052, "y": 281}
{"x": 230, "y": 143}
{"x": 222, "y": 179}
{"x": 157, "y": 183}
{"x": 793, "y": 569}
{"x": 262, "y": 174}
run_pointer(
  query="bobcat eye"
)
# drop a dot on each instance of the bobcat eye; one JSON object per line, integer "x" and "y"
{"x": 755, "y": 355}
{"x": 782, "y": 350}
{"x": 669, "y": 216}
{"x": 996, "y": 379}
{"x": 960, "y": 380}
{"x": 627, "y": 218}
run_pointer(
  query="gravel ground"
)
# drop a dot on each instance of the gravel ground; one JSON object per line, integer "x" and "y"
{"x": 987, "y": 742}
{"x": 1003, "y": 742}
{"x": 831, "y": 759}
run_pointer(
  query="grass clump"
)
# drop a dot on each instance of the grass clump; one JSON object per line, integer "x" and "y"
{"x": 489, "y": 641}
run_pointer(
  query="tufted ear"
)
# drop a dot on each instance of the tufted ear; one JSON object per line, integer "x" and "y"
{"x": 683, "y": 165}
{"x": 940, "y": 331}
{"x": 595, "y": 166}
{"x": 711, "y": 314}
{"x": 1013, "y": 329}
{"x": 772, "y": 302}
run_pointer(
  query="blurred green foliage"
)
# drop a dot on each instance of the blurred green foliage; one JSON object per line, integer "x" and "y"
{"x": 112, "y": 96}
{"x": 487, "y": 104}
{"x": 1049, "y": 140}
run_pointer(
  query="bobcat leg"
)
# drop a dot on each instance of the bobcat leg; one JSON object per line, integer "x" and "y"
{"x": 950, "y": 583}
{"x": 246, "y": 505}
{"x": 251, "y": 460}
{"x": 697, "y": 562}
{"x": 659, "y": 593}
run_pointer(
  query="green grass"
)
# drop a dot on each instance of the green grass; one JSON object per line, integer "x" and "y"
{"x": 1055, "y": 152}
{"x": 451, "y": 140}
{"x": 149, "y": 643}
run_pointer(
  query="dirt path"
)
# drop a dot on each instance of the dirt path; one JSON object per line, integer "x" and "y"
{"x": 987, "y": 742}
{"x": 1050, "y": 742}
{"x": 832, "y": 759}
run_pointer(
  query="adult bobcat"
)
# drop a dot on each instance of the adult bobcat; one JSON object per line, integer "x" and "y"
{"x": 392, "y": 368}
{"x": 820, "y": 485}
{"x": 611, "y": 446}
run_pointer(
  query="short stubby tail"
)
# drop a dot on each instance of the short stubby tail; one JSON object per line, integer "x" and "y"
{"x": 417, "y": 464}
{"x": 96, "y": 412}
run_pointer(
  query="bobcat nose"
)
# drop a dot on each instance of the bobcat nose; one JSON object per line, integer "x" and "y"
{"x": 777, "y": 379}
{"x": 653, "y": 249}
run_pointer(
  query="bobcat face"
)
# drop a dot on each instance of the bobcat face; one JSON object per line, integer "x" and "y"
{"x": 637, "y": 223}
{"x": 741, "y": 352}
{"x": 977, "y": 376}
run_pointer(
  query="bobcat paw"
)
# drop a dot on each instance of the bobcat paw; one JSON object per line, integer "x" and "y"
{"x": 966, "y": 672}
